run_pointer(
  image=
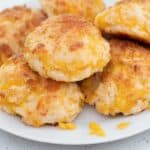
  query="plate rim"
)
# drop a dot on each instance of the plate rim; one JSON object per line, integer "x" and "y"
{"x": 75, "y": 144}
{"x": 49, "y": 141}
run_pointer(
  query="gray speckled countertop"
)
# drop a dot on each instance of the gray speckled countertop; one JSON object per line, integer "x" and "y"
{"x": 138, "y": 142}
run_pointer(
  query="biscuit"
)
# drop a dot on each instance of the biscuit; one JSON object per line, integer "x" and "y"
{"x": 15, "y": 24}
{"x": 38, "y": 101}
{"x": 66, "y": 48}
{"x": 128, "y": 18}
{"x": 124, "y": 86}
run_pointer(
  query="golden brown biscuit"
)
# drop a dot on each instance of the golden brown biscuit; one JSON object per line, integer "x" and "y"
{"x": 88, "y": 9}
{"x": 15, "y": 24}
{"x": 130, "y": 18}
{"x": 37, "y": 100}
{"x": 66, "y": 48}
{"x": 124, "y": 86}
{"x": 5, "y": 53}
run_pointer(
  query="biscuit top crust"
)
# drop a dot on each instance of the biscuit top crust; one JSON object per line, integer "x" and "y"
{"x": 133, "y": 57}
{"x": 62, "y": 28}
{"x": 18, "y": 13}
{"x": 16, "y": 23}
{"x": 87, "y": 9}
{"x": 28, "y": 77}
{"x": 128, "y": 19}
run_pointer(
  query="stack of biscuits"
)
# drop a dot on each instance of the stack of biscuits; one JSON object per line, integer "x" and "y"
{"x": 71, "y": 53}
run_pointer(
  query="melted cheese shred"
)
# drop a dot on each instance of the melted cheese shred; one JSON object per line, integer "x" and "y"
{"x": 123, "y": 125}
{"x": 96, "y": 129}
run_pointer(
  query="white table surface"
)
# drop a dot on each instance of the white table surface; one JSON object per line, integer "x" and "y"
{"x": 139, "y": 142}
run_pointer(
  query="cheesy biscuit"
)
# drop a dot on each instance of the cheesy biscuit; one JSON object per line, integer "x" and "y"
{"x": 87, "y": 9}
{"x": 129, "y": 18}
{"x": 38, "y": 101}
{"x": 66, "y": 48}
{"x": 124, "y": 86}
{"x": 15, "y": 24}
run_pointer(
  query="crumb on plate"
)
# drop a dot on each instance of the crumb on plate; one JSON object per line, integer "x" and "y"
{"x": 96, "y": 129}
{"x": 123, "y": 125}
{"x": 67, "y": 126}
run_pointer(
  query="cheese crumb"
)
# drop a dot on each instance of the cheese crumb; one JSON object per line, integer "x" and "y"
{"x": 96, "y": 129}
{"x": 67, "y": 126}
{"x": 123, "y": 125}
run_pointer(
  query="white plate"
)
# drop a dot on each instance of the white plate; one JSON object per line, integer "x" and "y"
{"x": 11, "y": 124}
